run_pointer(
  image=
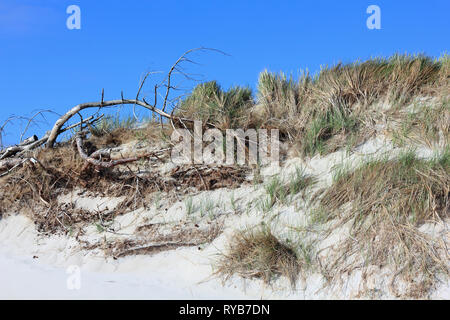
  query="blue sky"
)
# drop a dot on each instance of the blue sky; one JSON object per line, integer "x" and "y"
{"x": 44, "y": 65}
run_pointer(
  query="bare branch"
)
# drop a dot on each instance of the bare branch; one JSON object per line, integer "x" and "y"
{"x": 176, "y": 67}
{"x": 140, "y": 88}
{"x": 61, "y": 121}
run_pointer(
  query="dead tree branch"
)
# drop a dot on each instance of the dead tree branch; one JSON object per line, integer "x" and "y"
{"x": 32, "y": 119}
{"x": 8, "y": 165}
{"x": 56, "y": 130}
{"x": 33, "y": 142}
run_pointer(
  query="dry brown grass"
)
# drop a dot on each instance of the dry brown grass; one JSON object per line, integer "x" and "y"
{"x": 389, "y": 201}
{"x": 259, "y": 254}
{"x": 427, "y": 125}
{"x": 37, "y": 184}
{"x": 116, "y": 134}
{"x": 34, "y": 189}
{"x": 209, "y": 177}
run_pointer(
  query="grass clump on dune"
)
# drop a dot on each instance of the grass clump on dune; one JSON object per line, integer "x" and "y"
{"x": 327, "y": 133}
{"x": 427, "y": 124}
{"x": 208, "y": 102}
{"x": 259, "y": 254}
{"x": 389, "y": 201}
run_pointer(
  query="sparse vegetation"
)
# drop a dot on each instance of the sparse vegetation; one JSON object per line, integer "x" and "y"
{"x": 275, "y": 190}
{"x": 207, "y": 207}
{"x": 189, "y": 204}
{"x": 233, "y": 203}
{"x": 281, "y": 191}
{"x": 110, "y": 123}
{"x": 300, "y": 181}
{"x": 389, "y": 201}
{"x": 318, "y": 215}
{"x": 332, "y": 125}
{"x": 427, "y": 124}
{"x": 117, "y": 130}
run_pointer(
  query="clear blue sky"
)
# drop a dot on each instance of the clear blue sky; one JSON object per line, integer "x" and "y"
{"x": 44, "y": 65}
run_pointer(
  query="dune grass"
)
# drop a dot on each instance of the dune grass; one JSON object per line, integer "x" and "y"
{"x": 281, "y": 191}
{"x": 389, "y": 201}
{"x": 259, "y": 254}
{"x": 334, "y": 108}
{"x": 208, "y": 102}
{"x": 428, "y": 124}
{"x": 323, "y": 112}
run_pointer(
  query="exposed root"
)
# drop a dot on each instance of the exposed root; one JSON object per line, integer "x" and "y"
{"x": 153, "y": 239}
{"x": 210, "y": 178}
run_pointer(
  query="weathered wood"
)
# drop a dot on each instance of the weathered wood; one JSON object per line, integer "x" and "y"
{"x": 56, "y": 130}
{"x": 9, "y": 152}
{"x": 34, "y": 142}
{"x": 29, "y": 140}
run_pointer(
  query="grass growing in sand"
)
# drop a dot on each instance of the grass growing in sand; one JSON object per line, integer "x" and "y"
{"x": 337, "y": 107}
{"x": 208, "y": 102}
{"x": 390, "y": 199}
{"x": 428, "y": 124}
{"x": 281, "y": 191}
{"x": 259, "y": 254}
